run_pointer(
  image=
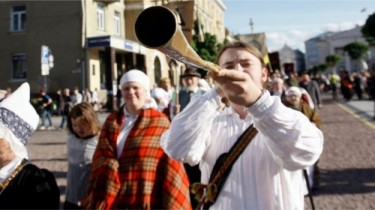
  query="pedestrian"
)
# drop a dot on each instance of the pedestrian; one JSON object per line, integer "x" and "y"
{"x": 76, "y": 96}
{"x": 190, "y": 80}
{"x": 59, "y": 102}
{"x": 95, "y": 100}
{"x": 46, "y": 109}
{"x": 334, "y": 80}
{"x": 129, "y": 168}
{"x": 166, "y": 84}
{"x": 23, "y": 185}
{"x": 162, "y": 99}
{"x": 68, "y": 105}
{"x": 83, "y": 132}
{"x": 313, "y": 88}
{"x": 293, "y": 99}
{"x": 346, "y": 85}
{"x": 86, "y": 95}
{"x": 267, "y": 175}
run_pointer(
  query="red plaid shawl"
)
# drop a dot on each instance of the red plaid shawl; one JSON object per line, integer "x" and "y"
{"x": 144, "y": 177}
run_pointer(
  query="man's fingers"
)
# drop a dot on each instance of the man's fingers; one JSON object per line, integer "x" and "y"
{"x": 232, "y": 75}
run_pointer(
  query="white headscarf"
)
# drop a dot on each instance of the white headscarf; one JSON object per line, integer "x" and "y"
{"x": 18, "y": 120}
{"x": 141, "y": 78}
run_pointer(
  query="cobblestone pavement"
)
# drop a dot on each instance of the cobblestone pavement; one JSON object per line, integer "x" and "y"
{"x": 347, "y": 179}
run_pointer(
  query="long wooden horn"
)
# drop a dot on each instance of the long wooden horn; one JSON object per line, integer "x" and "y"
{"x": 156, "y": 27}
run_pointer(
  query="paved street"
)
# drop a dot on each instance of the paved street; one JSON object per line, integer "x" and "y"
{"x": 347, "y": 164}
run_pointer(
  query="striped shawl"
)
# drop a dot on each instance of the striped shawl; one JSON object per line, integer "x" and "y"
{"x": 144, "y": 177}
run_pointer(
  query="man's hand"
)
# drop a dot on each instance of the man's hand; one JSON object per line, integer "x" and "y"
{"x": 237, "y": 86}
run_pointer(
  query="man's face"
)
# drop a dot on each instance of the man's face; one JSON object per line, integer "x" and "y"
{"x": 190, "y": 82}
{"x": 242, "y": 60}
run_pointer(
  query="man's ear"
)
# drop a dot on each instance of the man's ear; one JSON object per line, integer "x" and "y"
{"x": 264, "y": 74}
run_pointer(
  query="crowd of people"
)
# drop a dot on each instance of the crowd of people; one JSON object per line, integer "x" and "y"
{"x": 169, "y": 147}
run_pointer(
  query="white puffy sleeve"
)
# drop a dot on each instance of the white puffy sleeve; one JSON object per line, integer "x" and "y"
{"x": 188, "y": 137}
{"x": 294, "y": 141}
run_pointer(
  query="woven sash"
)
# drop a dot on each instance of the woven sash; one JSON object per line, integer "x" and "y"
{"x": 206, "y": 194}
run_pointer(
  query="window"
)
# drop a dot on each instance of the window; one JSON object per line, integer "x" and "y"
{"x": 100, "y": 17}
{"x": 18, "y": 18}
{"x": 19, "y": 66}
{"x": 117, "y": 22}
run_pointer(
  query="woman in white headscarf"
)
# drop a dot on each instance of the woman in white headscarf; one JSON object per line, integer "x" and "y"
{"x": 129, "y": 169}
{"x": 23, "y": 185}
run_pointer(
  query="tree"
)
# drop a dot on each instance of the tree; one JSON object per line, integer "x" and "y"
{"x": 356, "y": 50}
{"x": 368, "y": 30}
{"x": 332, "y": 60}
{"x": 318, "y": 68}
{"x": 207, "y": 48}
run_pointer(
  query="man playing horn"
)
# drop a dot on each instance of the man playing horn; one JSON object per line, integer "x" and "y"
{"x": 267, "y": 174}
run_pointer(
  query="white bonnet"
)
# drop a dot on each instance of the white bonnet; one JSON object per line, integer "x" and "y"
{"x": 18, "y": 118}
{"x": 294, "y": 91}
{"x": 138, "y": 76}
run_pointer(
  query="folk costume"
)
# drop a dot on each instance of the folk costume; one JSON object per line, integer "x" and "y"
{"x": 130, "y": 169}
{"x": 22, "y": 184}
{"x": 313, "y": 171}
{"x": 267, "y": 175}
{"x": 30, "y": 188}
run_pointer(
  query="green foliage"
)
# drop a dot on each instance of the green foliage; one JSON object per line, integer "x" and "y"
{"x": 356, "y": 50}
{"x": 368, "y": 30}
{"x": 207, "y": 49}
{"x": 332, "y": 60}
{"x": 318, "y": 68}
{"x": 37, "y": 103}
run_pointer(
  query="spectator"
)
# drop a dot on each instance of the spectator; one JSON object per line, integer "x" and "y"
{"x": 95, "y": 100}
{"x": 68, "y": 104}
{"x": 294, "y": 100}
{"x": 129, "y": 168}
{"x": 23, "y": 185}
{"x": 313, "y": 88}
{"x": 46, "y": 109}
{"x": 84, "y": 128}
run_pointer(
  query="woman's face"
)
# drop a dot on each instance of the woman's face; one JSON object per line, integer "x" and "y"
{"x": 6, "y": 152}
{"x": 81, "y": 127}
{"x": 134, "y": 94}
{"x": 293, "y": 99}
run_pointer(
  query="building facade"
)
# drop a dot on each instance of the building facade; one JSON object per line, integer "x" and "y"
{"x": 92, "y": 42}
{"x": 319, "y": 47}
{"x": 291, "y": 60}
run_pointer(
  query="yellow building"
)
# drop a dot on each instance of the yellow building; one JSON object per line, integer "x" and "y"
{"x": 88, "y": 43}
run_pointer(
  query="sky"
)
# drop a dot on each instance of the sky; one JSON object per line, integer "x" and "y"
{"x": 292, "y": 22}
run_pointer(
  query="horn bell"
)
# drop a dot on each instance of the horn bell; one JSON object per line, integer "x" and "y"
{"x": 156, "y": 27}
